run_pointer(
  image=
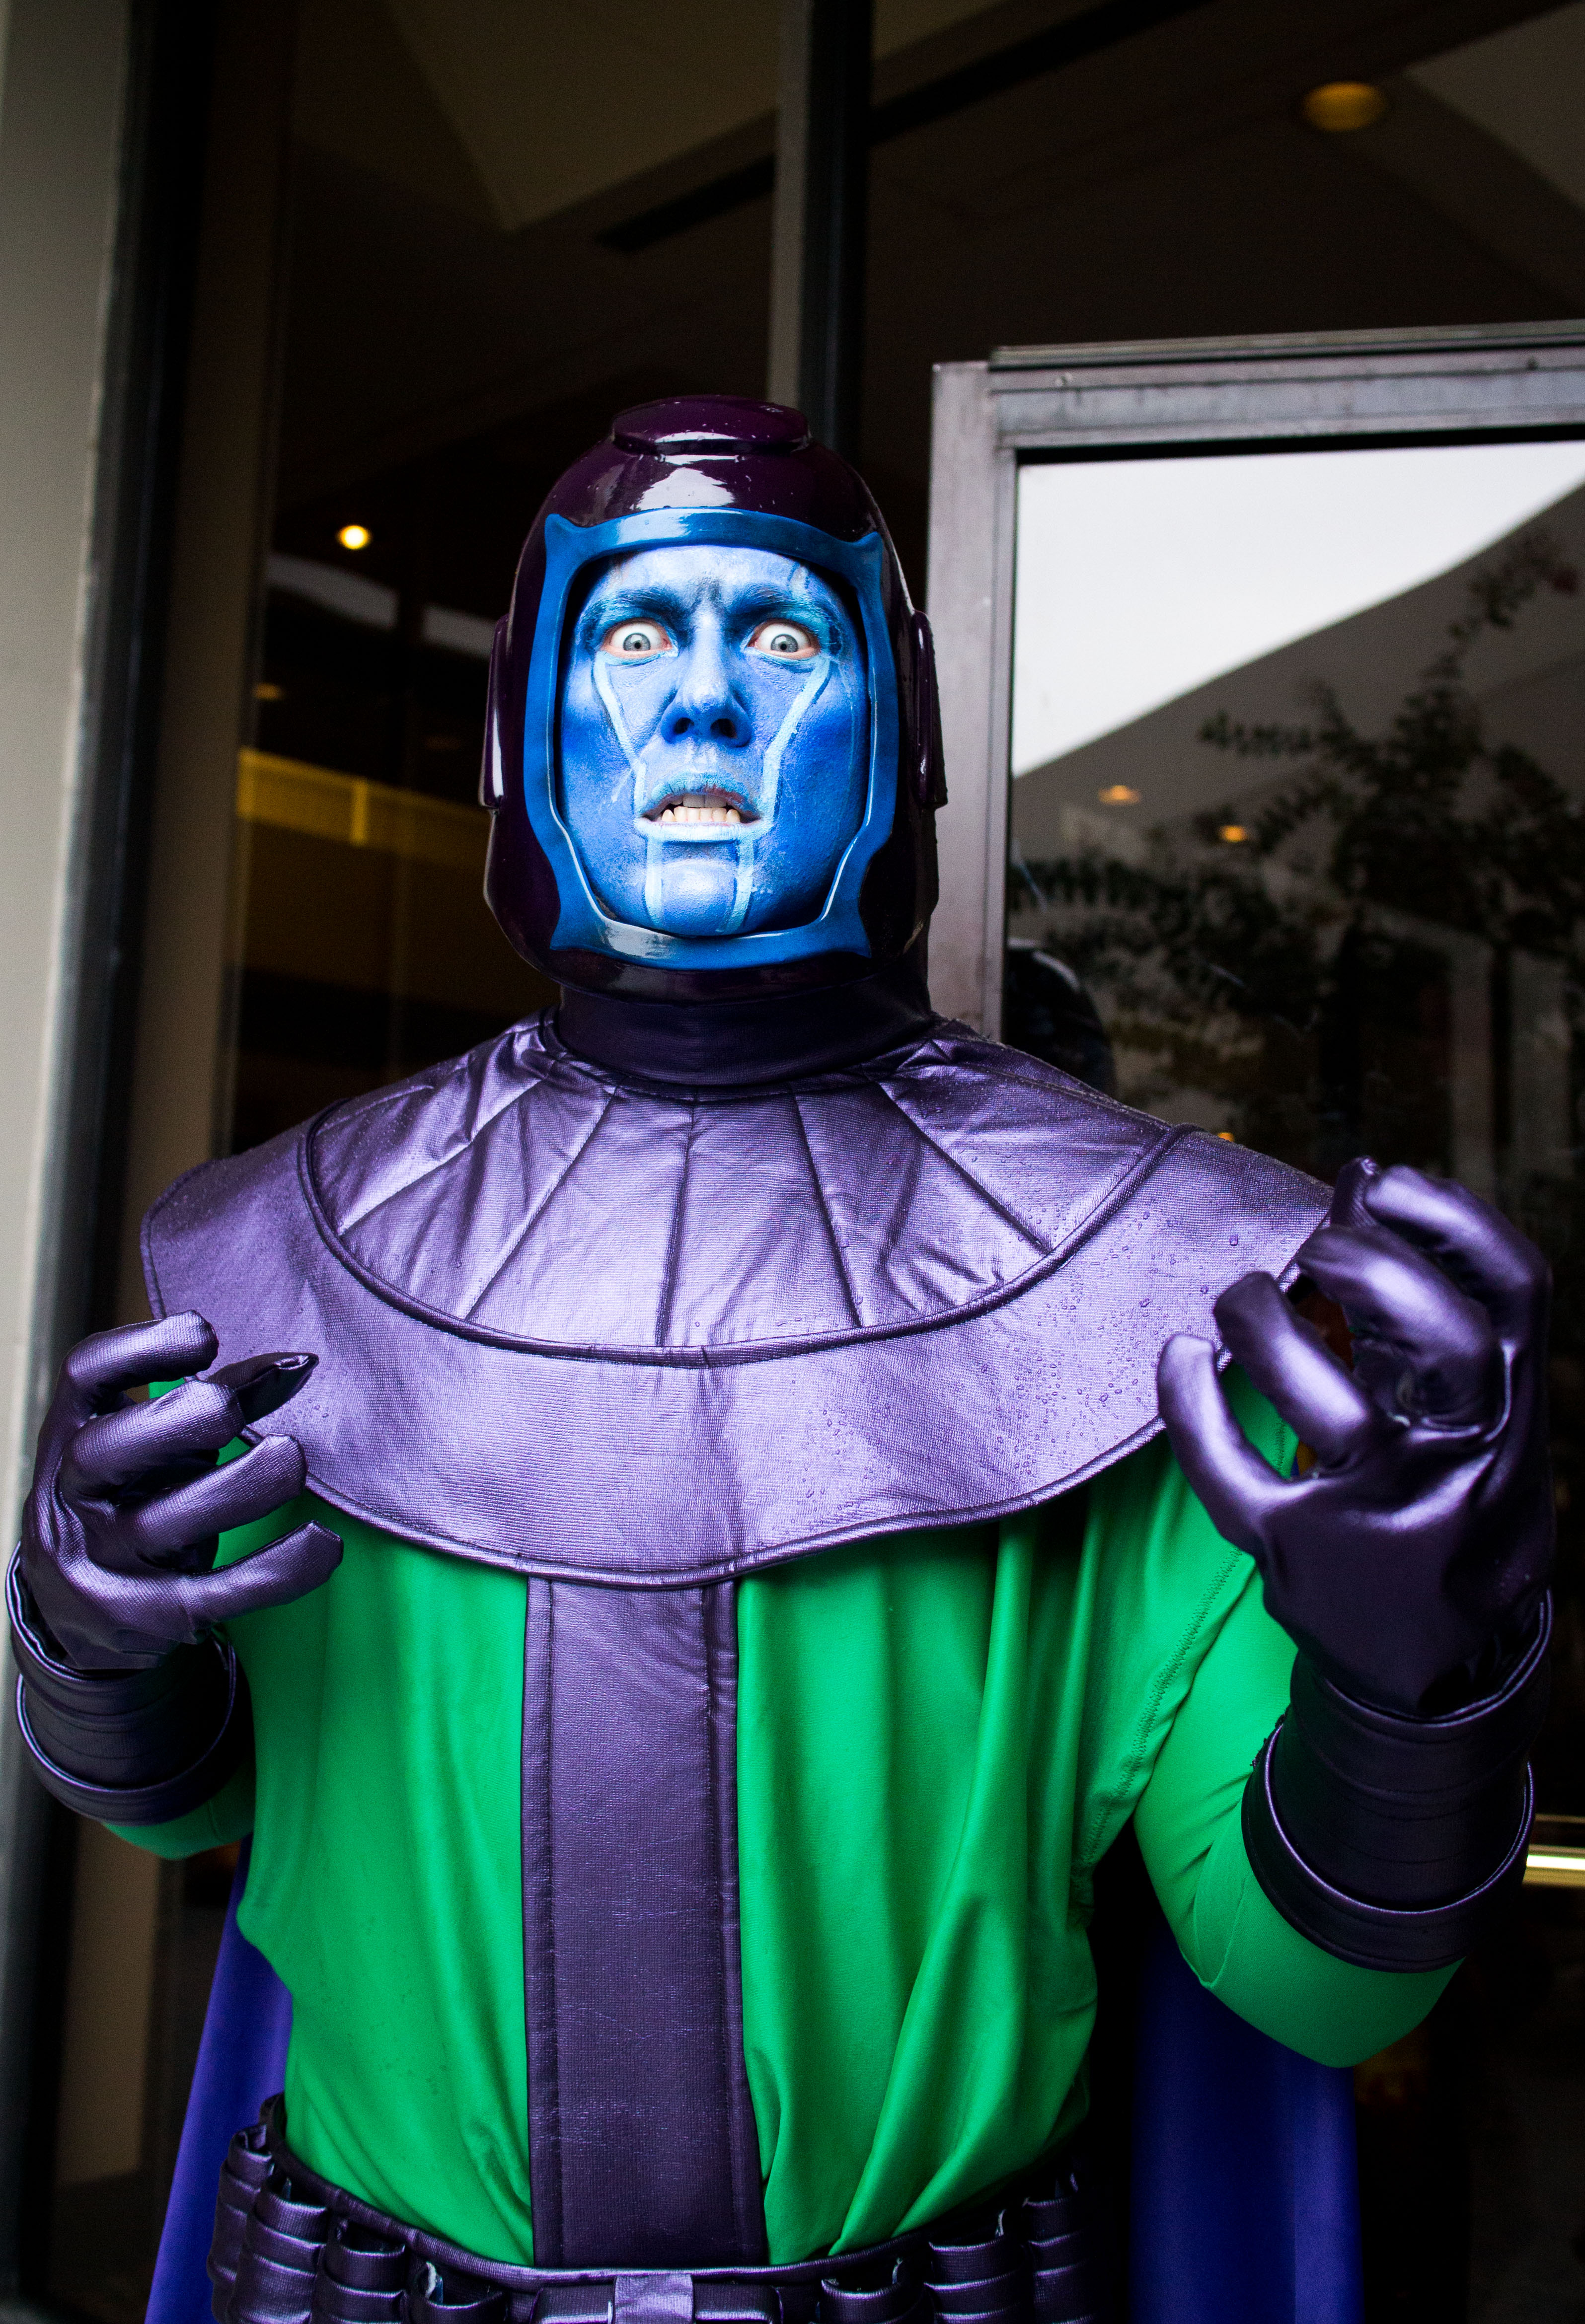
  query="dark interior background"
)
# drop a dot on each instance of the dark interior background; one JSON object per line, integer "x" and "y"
{"x": 1038, "y": 173}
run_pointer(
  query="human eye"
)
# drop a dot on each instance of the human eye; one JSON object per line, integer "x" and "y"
{"x": 635, "y": 641}
{"x": 784, "y": 641}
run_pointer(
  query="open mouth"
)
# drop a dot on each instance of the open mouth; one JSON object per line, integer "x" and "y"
{"x": 694, "y": 809}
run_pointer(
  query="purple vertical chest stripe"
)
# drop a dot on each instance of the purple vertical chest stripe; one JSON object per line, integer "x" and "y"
{"x": 643, "y": 2151}
{"x": 591, "y": 1328}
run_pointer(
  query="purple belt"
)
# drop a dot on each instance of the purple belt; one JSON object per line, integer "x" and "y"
{"x": 292, "y": 2248}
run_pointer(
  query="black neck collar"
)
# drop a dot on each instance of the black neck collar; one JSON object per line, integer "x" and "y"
{"x": 736, "y": 1044}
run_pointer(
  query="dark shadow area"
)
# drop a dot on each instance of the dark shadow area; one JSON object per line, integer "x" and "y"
{"x": 104, "y": 2232}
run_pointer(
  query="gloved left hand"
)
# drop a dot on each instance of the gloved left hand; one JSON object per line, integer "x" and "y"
{"x": 119, "y": 1531}
{"x": 1410, "y": 1559}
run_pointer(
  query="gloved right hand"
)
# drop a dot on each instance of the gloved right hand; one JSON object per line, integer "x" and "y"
{"x": 119, "y": 1529}
{"x": 1409, "y": 1562}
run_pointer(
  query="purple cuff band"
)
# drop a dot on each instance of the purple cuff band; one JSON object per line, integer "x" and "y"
{"x": 1391, "y": 1842}
{"x": 1441, "y": 1764}
{"x": 136, "y": 1746}
{"x": 1371, "y": 1936}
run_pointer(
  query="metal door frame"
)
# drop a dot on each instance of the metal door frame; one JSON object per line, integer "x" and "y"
{"x": 1042, "y": 403}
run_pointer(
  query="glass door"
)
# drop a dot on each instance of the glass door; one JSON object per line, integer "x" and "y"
{"x": 1297, "y": 855}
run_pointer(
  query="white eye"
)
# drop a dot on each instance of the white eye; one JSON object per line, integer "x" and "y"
{"x": 634, "y": 640}
{"x": 784, "y": 642}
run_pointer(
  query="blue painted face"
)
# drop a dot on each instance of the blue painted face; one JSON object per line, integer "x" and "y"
{"x": 714, "y": 739}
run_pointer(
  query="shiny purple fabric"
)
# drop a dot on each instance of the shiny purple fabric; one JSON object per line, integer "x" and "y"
{"x": 1409, "y": 1561}
{"x": 590, "y": 1329}
{"x": 119, "y": 1526}
{"x": 135, "y": 1747}
{"x": 642, "y": 2150}
{"x": 1395, "y": 1842}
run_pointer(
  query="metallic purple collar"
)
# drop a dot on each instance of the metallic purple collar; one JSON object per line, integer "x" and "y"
{"x": 594, "y": 1329}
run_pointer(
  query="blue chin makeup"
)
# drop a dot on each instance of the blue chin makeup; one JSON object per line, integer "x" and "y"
{"x": 718, "y": 761}
{"x": 715, "y": 731}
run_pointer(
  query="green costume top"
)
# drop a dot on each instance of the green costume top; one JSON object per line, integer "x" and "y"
{"x": 938, "y": 1736}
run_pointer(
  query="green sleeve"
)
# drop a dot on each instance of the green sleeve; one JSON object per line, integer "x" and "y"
{"x": 1232, "y": 1936}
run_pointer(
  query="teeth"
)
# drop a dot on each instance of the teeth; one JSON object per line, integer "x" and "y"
{"x": 695, "y": 811}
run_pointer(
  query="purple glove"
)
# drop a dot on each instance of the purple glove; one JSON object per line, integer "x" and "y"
{"x": 1409, "y": 1563}
{"x": 119, "y": 1529}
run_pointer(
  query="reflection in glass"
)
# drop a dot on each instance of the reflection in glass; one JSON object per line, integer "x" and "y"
{"x": 1331, "y": 900}
{"x": 1184, "y": 571}
{"x": 1300, "y": 821}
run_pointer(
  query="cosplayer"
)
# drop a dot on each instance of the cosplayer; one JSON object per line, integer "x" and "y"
{"x": 725, "y": 1587}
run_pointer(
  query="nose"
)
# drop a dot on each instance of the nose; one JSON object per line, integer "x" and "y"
{"x": 707, "y": 703}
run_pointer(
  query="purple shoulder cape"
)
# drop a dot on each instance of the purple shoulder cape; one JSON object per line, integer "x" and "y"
{"x": 593, "y": 1329}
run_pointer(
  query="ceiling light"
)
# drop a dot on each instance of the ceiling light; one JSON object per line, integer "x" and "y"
{"x": 1232, "y": 832}
{"x": 1344, "y": 104}
{"x": 353, "y": 536}
{"x": 1118, "y": 795}
{"x": 266, "y": 690}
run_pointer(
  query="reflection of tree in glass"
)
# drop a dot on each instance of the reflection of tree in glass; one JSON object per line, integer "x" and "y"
{"x": 1504, "y": 860}
{"x": 1289, "y": 979}
{"x": 1294, "y": 987}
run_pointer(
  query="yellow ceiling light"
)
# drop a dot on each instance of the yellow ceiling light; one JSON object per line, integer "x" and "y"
{"x": 353, "y": 536}
{"x": 1118, "y": 795}
{"x": 1344, "y": 104}
{"x": 1233, "y": 832}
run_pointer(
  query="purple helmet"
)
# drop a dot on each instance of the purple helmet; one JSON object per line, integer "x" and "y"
{"x": 711, "y": 469}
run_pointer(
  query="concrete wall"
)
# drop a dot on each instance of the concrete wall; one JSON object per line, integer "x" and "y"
{"x": 60, "y": 102}
{"x": 59, "y": 130}
{"x": 180, "y": 1092}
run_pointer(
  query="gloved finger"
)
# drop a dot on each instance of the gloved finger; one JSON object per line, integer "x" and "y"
{"x": 100, "y": 1370}
{"x": 123, "y": 1612}
{"x": 1237, "y": 1486}
{"x": 1349, "y": 1190}
{"x": 272, "y": 1473}
{"x": 262, "y": 1384}
{"x": 274, "y": 1576}
{"x": 119, "y": 1447}
{"x": 1421, "y": 1345}
{"x": 1484, "y": 1254}
{"x": 1291, "y": 1364}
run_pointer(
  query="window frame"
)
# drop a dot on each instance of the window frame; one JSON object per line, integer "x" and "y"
{"x": 1025, "y": 405}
